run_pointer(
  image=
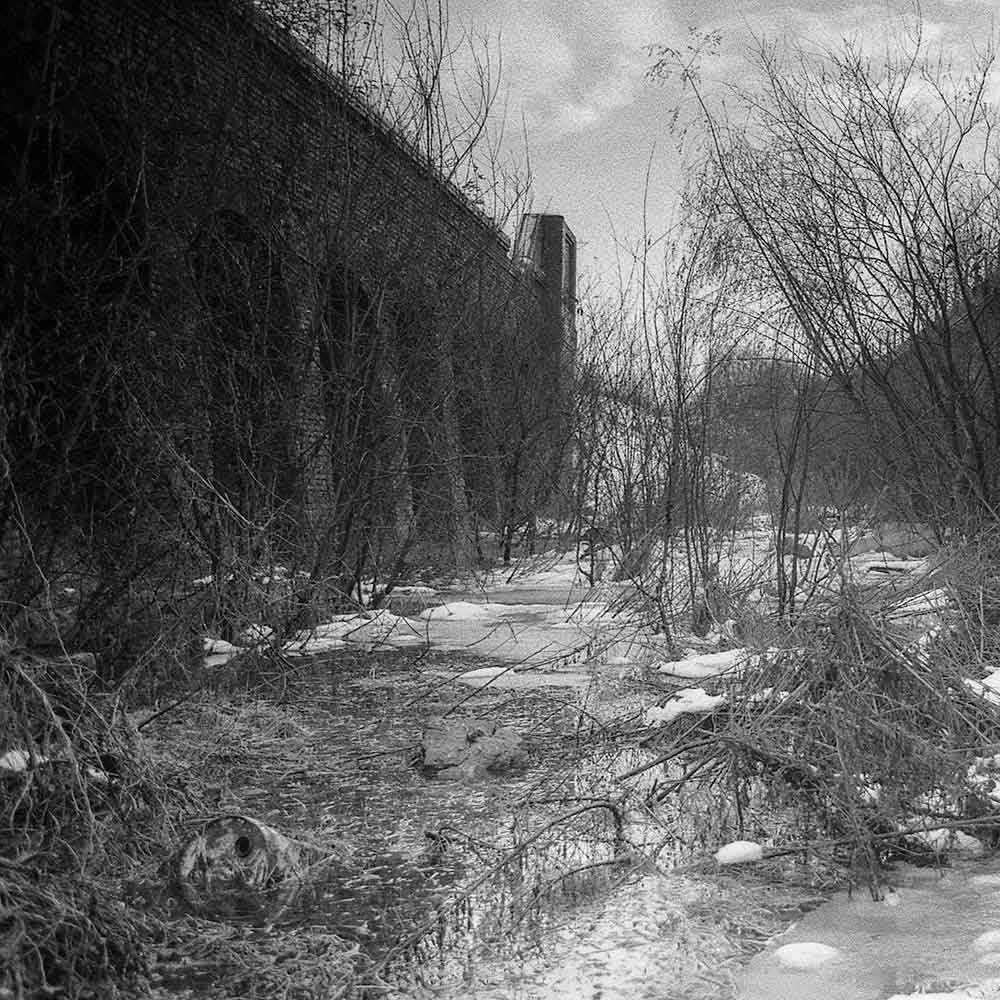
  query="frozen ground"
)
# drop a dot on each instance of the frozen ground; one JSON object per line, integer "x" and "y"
{"x": 548, "y": 619}
{"x": 937, "y": 934}
{"x": 546, "y": 614}
{"x": 927, "y": 937}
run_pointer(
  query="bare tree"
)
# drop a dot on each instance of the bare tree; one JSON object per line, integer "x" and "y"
{"x": 654, "y": 478}
{"x": 200, "y": 381}
{"x": 860, "y": 194}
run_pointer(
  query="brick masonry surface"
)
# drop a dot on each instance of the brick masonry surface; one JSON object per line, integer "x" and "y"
{"x": 220, "y": 131}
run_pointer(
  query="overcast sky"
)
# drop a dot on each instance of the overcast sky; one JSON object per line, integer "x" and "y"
{"x": 574, "y": 72}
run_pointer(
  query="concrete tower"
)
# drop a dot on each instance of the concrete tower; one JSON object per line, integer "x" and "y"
{"x": 546, "y": 247}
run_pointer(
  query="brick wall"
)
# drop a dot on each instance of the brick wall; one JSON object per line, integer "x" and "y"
{"x": 264, "y": 198}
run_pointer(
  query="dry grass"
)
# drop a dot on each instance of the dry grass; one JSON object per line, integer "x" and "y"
{"x": 73, "y": 824}
{"x": 85, "y": 907}
{"x": 851, "y": 731}
{"x": 66, "y": 934}
{"x": 220, "y": 960}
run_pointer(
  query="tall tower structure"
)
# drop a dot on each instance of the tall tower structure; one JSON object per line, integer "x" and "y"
{"x": 546, "y": 247}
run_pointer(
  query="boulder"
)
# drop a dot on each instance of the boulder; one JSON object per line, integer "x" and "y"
{"x": 900, "y": 538}
{"x": 796, "y": 550}
{"x": 910, "y": 541}
{"x": 460, "y": 749}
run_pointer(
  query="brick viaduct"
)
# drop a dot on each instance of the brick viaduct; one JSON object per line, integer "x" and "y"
{"x": 324, "y": 325}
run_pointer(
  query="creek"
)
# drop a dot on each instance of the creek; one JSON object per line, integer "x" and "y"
{"x": 541, "y": 883}
{"x": 559, "y": 881}
{"x": 445, "y": 876}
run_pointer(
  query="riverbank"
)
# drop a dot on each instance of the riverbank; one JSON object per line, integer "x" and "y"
{"x": 591, "y": 869}
{"x": 521, "y": 902}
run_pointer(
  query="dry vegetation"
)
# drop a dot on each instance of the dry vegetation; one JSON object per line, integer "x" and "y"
{"x": 857, "y": 733}
{"x": 121, "y": 534}
{"x": 89, "y": 830}
{"x": 853, "y": 735}
{"x": 71, "y": 829}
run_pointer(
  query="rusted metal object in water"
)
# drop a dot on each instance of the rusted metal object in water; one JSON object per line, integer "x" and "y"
{"x": 235, "y": 867}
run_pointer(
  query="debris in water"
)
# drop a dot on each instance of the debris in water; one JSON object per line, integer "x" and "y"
{"x": 237, "y": 866}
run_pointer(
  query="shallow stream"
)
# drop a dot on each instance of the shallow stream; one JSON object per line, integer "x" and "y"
{"x": 430, "y": 873}
{"x": 557, "y": 882}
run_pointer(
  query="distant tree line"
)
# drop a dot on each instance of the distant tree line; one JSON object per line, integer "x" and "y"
{"x": 859, "y": 195}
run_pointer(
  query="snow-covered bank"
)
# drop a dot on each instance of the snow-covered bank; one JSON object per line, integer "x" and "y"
{"x": 532, "y": 634}
{"x": 566, "y": 621}
{"x": 935, "y": 935}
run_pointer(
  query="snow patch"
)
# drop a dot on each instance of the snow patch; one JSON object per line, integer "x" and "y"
{"x": 945, "y": 841}
{"x": 484, "y": 673}
{"x": 768, "y": 694}
{"x": 738, "y": 851}
{"x": 218, "y": 652}
{"x": 684, "y": 702}
{"x": 988, "y": 694}
{"x": 457, "y": 610}
{"x": 211, "y": 645}
{"x": 987, "y": 941}
{"x": 929, "y": 603}
{"x": 982, "y": 775}
{"x": 19, "y": 760}
{"x": 408, "y": 639}
{"x": 806, "y": 955}
{"x": 709, "y": 664}
{"x": 254, "y": 635}
{"x": 870, "y": 792}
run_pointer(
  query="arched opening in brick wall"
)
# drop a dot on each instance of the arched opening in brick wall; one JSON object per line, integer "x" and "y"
{"x": 431, "y": 388}
{"x": 247, "y": 360}
{"x": 349, "y": 347}
{"x": 356, "y": 490}
{"x": 422, "y": 397}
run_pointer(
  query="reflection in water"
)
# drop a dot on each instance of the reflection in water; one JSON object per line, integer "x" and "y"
{"x": 447, "y": 887}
